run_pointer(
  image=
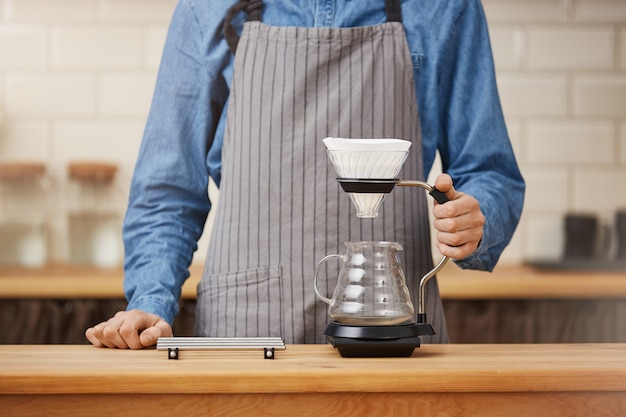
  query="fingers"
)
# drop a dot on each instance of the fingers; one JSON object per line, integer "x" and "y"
{"x": 459, "y": 222}
{"x": 128, "y": 332}
{"x": 106, "y": 334}
{"x": 150, "y": 336}
{"x": 123, "y": 330}
{"x": 90, "y": 334}
{"x": 458, "y": 244}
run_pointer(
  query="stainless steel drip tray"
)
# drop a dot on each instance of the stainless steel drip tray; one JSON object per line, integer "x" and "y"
{"x": 175, "y": 344}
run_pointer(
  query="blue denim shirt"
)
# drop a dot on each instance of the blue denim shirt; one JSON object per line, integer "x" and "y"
{"x": 459, "y": 108}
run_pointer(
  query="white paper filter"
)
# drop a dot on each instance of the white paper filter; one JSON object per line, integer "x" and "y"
{"x": 367, "y": 158}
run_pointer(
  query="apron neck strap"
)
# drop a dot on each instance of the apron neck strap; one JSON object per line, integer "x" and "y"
{"x": 253, "y": 9}
{"x": 394, "y": 10}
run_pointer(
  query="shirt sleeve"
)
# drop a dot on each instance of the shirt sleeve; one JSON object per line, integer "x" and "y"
{"x": 474, "y": 145}
{"x": 168, "y": 201}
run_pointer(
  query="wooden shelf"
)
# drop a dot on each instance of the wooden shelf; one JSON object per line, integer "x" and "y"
{"x": 524, "y": 282}
{"x": 506, "y": 282}
{"x": 67, "y": 282}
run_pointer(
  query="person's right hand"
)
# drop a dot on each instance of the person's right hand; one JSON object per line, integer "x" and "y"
{"x": 134, "y": 329}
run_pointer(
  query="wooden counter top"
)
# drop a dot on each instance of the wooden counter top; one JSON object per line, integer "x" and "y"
{"x": 58, "y": 369}
{"x": 506, "y": 282}
{"x": 460, "y": 379}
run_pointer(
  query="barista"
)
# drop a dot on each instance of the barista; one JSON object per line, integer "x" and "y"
{"x": 304, "y": 70}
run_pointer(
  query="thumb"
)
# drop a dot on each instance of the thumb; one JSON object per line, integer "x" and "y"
{"x": 150, "y": 336}
{"x": 443, "y": 183}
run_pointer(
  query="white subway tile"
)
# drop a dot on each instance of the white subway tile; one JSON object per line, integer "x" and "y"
{"x": 126, "y": 95}
{"x": 101, "y": 47}
{"x": 514, "y": 251}
{"x": 51, "y": 10}
{"x": 601, "y": 191}
{"x": 546, "y": 189}
{"x": 515, "y": 131}
{"x": 24, "y": 141}
{"x": 524, "y": 11}
{"x": 108, "y": 141}
{"x": 3, "y": 94}
{"x": 50, "y": 95}
{"x": 601, "y": 96}
{"x": 574, "y": 48}
{"x": 533, "y": 95}
{"x": 544, "y": 236}
{"x": 154, "y": 45}
{"x": 508, "y": 47}
{"x": 623, "y": 145}
{"x": 600, "y": 11}
{"x": 154, "y": 10}
{"x": 23, "y": 46}
{"x": 622, "y": 51}
{"x": 571, "y": 143}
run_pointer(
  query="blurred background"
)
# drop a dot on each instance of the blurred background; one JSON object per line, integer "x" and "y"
{"x": 76, "y": 80}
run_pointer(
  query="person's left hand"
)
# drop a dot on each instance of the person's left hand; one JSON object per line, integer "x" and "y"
{"x": 459, "y": 222}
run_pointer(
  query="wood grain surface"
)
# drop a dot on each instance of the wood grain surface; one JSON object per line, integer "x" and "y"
{"x": 438, "y": 380}
{"x": 68, "y": 369}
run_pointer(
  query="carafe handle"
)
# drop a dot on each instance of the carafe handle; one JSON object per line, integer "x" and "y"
{"x": 317, "y": 269}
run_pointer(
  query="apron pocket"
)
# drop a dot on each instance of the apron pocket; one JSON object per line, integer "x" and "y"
{"x": 240, "y": 304}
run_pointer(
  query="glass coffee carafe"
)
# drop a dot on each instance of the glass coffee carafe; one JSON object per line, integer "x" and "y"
{"x": 371, "y": 288}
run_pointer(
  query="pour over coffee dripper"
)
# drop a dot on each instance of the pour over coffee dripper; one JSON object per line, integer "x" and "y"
{"x": 367, "y": 170}
{"x": 377, "y": 160}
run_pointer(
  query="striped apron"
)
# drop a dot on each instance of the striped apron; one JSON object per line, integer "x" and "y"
{"x": 281, "y": 209}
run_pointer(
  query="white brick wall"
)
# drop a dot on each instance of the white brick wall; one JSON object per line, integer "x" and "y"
{"x": 623, "y": 145}
{"x": 76, "y": 79}
{"x": 561, "y": 71}
{"x": 556, "y": 48}
{"x": 86, "y": 47}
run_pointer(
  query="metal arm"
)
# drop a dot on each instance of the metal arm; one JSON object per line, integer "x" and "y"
{"x": 441, "y": 198}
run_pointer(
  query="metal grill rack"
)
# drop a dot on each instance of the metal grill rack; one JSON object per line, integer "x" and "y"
{"x": 174, "y": 345}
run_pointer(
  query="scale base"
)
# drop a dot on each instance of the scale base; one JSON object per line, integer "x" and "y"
{"x": 376, "y": 341}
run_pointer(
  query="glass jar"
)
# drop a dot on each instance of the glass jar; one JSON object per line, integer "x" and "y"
{"x": 24, "y": 205}
{"x": 95, "y": 214}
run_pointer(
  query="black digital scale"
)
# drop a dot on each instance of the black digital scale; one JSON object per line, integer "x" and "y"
{"x": 398, "y": 340}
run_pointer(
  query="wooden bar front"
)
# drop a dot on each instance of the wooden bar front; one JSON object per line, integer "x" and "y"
{"x": 438, "y": 380}
{"x": 514, "y": 304}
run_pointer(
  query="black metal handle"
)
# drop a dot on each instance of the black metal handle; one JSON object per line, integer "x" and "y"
{"x": 440, "y": 196}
